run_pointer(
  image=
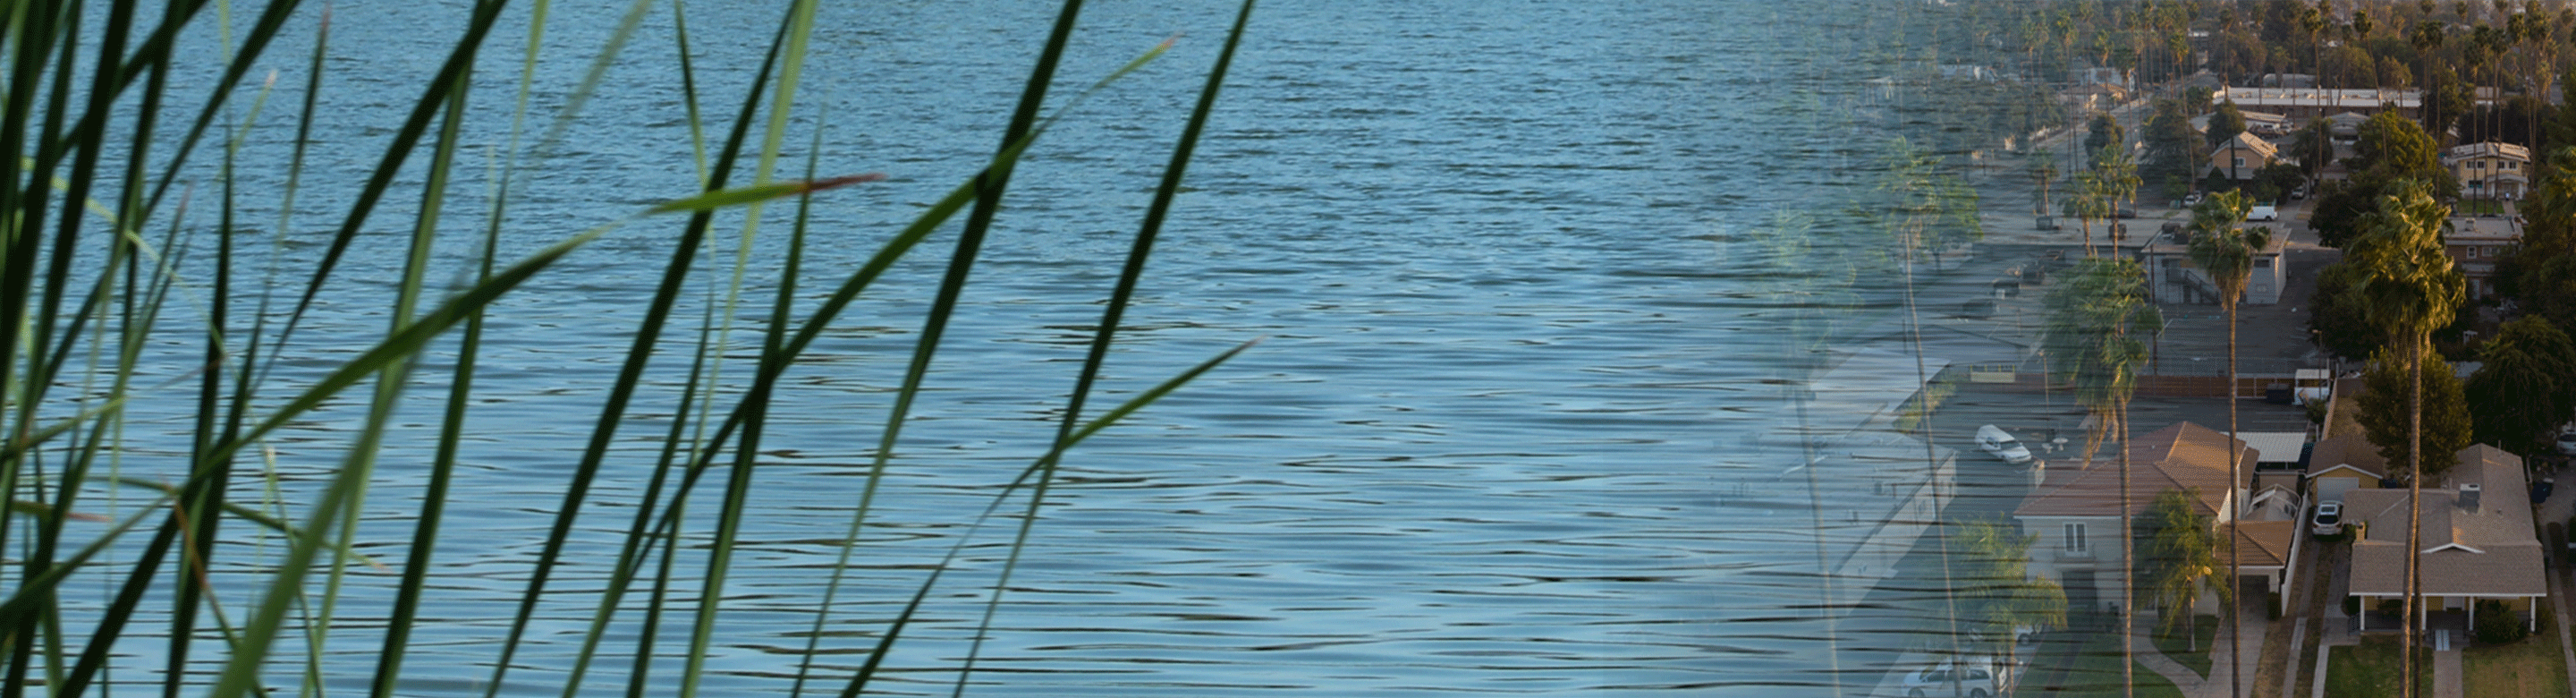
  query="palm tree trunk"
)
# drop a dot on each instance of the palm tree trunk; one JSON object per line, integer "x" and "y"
{"x": 2414, "y": 511}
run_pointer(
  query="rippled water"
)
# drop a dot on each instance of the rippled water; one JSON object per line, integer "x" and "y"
{"x": 1513, "y": 344}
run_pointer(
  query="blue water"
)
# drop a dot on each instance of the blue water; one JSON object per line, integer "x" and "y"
{"x": 1512, "y": 339}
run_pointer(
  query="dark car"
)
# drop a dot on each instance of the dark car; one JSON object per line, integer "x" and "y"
{"x": 2540, "y": 490}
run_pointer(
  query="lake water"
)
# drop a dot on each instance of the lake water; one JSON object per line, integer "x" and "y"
{"x": 1514, "y": 341}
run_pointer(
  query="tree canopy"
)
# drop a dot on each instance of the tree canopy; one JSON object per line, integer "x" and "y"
{"x": 2225, "y": 123}
{"x": 2178, "y": 556}
{"x": 2381, "y": 410}
{"x": 1997, "y": 591}
{"x": 2525, "y": 387}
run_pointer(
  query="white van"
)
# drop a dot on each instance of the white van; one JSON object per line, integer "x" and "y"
{"x": 1999, "y": 444}
{"x": 2264, "y": 212}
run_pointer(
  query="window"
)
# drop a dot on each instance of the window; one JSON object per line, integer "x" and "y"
{"x": 2473, "y": 251}
{"x": 2264, "y": 263}
{"x": 2240, "y": 162}
{"x": 2511, "y": 165}
{"x": 2075, "y": 538}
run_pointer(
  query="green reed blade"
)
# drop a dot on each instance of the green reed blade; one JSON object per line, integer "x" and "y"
{"x": 1111, "y": 316}
{"x": 894, "y": 629}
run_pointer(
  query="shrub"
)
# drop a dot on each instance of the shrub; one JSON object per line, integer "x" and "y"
{"x": 2498, "y": 624}
{"x": 2352, "y": 605}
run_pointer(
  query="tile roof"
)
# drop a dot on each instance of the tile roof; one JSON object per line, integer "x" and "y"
{"x": 2175, "y": 457}
{"x": 2263, "y": 543}
{"x": 2351, "y": 449}
{"x": 2248, "y": 142}
{"x": 2484, "y": 549}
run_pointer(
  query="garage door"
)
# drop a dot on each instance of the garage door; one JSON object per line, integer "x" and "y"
{"x": 2332, "y": 489}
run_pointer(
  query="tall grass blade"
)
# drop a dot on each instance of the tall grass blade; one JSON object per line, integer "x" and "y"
{"x": 1111, "y": 316}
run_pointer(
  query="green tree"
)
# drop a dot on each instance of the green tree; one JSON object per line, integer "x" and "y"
{"x": 2179, "y": 561}
{"x": 2313, "y": 147}
{"x": 2337, "y": 319}
{"x": 2522, "y": 390}
{"x": 2225, "y": 251}
{"x": 2173, "y": 147}
{"x": 2225, "y": 123}
{"x": 2410, "y": 290}
{"x": 2391, "y": 157}
{"x": 2102, "y": 134}
{"x": 2000, "y": 592}
{"x": 2043, "y": 169}
{"x": 2385, "y": 412}
{"x": 2095, "y": 338}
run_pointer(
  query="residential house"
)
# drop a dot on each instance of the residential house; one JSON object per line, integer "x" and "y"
{"x": 2077, "y": 521}
{"x": 2345, "y": 124}
{"x": 2344, "y": 463}
{"x": 2474, "y": 243}
{"x": 2475, "y": 536}
{"x": 2173, "y": 278}
{"x": 2242, "y": 157}
{"x": 2490, "y": 170}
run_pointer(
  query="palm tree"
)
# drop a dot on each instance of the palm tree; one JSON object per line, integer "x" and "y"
{"x": 2226, "y": 252}
{"x": 2092, "y": 339}
{"x": 2005, "y": 597}
{"x": 2044, "y": 170}
{"x": 2181, "y": 559}
{"x": 2410, "y": 290}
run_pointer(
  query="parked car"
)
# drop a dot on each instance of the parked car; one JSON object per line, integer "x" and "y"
{"x": 1996, "y": 442}
{"x": 2540, "y": 490}
{"x": 2328, "y": 520}
{"x": 2264, "y": 212}
{"x": 1973, "y": 682}
{"x": 2567, "y": 443}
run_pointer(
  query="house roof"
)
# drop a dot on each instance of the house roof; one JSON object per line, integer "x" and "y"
{"x": 2184, "y": 455}
{"x": 2264, "y": 543}
{"x": 2350, "y": 449}
{"x": 2485, "y": 149}
{"x": 2481, "y": 547}
{"x": 2275, "y": 446}
{"x": 2247, "y": 142}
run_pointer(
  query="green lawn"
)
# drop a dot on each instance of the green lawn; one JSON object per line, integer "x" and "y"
{"x": 2532, "y": 667}
{"x": 2371, "y": 669}
{"x": 2094, "y": 672}
{"x": 2171, "y": 643}
{"x": 2469, "y": 206}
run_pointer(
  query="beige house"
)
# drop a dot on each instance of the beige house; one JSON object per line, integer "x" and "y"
{"x": 2077, "y": 520}
{"x": 2343, "y": 464}
{"x": 2490, "y": 170}
{"x": 2475, "y": 536}
{"x": 2242, "y": 157}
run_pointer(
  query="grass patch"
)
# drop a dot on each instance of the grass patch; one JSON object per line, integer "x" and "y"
{"x": 2533, "y": 667}
{"x": 2473, "y": 206}
{"x": 2175, "y": 648}
{"x": 2094, "y": 672}
{"x": 2371, "y": 669}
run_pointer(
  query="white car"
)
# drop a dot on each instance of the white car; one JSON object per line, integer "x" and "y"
{"x": 2329, "y": 519}
{"x": 1999, "y": 444}
{"x": 2264, "y": 212}
{"x": 1973, "y": 682}
{"x": 2567, "y": 443}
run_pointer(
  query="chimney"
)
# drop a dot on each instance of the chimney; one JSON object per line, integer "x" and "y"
{"x": 2469, "y": 495}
